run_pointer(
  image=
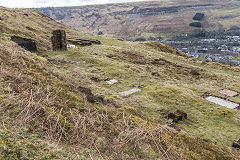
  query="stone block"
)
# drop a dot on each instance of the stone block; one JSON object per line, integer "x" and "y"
{"x": 131, "y": 91}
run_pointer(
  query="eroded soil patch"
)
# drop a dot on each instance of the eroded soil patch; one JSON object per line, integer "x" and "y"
{"x": 96, "y": 99}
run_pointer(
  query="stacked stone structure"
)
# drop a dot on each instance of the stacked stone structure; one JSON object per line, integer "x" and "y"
{"x": 59, "y": 41}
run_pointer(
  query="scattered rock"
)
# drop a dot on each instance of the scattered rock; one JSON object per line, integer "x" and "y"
{"x": 28, "y": 44}
{"x": 120, "y": 39}
{"x": 207, "y": 140}
{"x": 100, "y": 33}
{"x": 198, "y": 16}
{"x": 236, "y": 144}
{"x": 142, "y": 86}
{"x": 206, "y": 94}
{"x": 110, "y": 56}
{"x": 95, "y": 79}
{"x": 107, "y": 79}
{"x": 195, "y": 24}
{"x": 224, "y": 113}
{"x": 194, "y": 73}
{"x": 71, "y": 46}
{"x": 156, "y": 74}
{"x": 178, "y": 115}
{"x": 112, "y": 81}
{"x": 174, "y": 127}
{"x": 169, "y": 121}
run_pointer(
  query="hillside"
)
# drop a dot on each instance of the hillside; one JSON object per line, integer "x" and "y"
{"x": 150, "y": 19}
{"x": 56, "y": 105}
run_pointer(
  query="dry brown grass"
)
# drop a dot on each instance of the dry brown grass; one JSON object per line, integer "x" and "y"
{"x": 30, "y": 103}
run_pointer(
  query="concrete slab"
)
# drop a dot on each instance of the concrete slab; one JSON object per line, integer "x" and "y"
{"x": 112, "y": 81}
{"x": 227, "y": 92}
{"x": 131, "y": 91}
{"x": 222, "y": 102}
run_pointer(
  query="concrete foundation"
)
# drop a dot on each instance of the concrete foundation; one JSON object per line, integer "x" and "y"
{"x": 223, "y": 102}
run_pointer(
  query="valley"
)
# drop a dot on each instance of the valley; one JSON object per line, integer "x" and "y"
{"x": 164, "y": 19}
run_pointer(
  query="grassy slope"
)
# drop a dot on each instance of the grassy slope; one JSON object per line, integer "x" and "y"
{"x": 170, "y": 84}
{"x": 45, "y": 113}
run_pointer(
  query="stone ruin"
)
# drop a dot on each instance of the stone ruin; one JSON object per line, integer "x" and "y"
{"x": 176, "y": 116}
{"x": 28, "y": 44}
{"x": 59, "y": 41}
{"x": 83, "y": 41}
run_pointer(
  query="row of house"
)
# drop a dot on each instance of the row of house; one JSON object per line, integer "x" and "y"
{"x": 225, "y": 50}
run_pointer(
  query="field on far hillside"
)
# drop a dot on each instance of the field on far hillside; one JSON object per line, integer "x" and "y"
{"x": 149, "y": 19}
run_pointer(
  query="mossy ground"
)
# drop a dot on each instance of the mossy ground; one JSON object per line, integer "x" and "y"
{"x": 41, "y": 104}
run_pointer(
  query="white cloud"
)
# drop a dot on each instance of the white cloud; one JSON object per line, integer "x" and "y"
{"x": 54, "y": 3}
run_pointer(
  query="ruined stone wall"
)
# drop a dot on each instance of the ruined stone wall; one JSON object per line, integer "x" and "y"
{"x": 28, "y": 44}
{"x": 59, "y": 41}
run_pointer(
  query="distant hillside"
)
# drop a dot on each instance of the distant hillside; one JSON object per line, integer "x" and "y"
{"x": 165, "y": 18}
{"x": 58, "y": 105}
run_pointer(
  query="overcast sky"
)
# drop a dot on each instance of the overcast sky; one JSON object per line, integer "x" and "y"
{"x": 54, "y": 3}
